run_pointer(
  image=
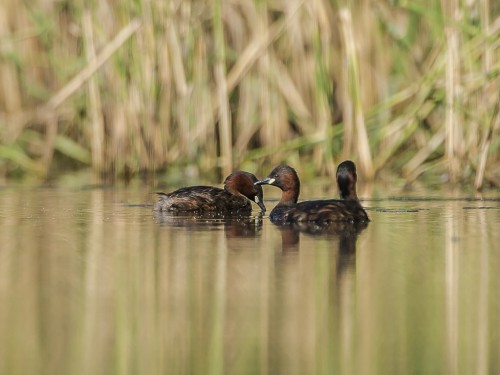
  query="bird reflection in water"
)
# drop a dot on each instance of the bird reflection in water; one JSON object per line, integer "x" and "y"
{"x": 346, "y": 233}
{"x": 243, "y": 227}
{"x": 297, "y": 278}
{"x": 235, "y": 226}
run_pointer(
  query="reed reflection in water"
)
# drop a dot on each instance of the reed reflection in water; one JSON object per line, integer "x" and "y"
{"x": 90, "y": 284}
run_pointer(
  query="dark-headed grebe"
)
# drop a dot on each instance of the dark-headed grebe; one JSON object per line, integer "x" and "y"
{"x": 239, "y": 190}
{"x": 288, "y": 210}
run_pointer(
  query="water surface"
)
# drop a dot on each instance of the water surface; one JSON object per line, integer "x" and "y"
{"x": 91, "y": 282}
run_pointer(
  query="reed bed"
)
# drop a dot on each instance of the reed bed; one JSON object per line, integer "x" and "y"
{"x": 153, "y": 86}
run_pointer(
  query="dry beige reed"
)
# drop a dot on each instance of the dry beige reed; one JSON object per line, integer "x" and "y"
{"x": 154, "y": 86}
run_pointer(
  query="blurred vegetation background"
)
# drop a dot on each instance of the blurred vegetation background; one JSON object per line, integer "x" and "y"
{"x": 130, "y": 87}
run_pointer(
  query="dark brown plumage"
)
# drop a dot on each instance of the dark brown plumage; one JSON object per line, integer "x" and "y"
{"x": 288, "y": 210}
{"x": 239, "y": 190}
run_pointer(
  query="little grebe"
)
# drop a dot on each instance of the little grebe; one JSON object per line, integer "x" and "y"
{"x": 288, "y": 210}
{"x": 239, "y": 190}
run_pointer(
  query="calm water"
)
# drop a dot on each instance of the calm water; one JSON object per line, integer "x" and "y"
{"x": 92, "y": 283}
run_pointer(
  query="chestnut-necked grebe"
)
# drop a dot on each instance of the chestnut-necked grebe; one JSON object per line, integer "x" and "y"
{"x": 239, "y": 190}
{"x": 288, "y": 210}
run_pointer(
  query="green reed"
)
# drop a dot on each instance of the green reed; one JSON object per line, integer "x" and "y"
{"x": 218, "y": 85}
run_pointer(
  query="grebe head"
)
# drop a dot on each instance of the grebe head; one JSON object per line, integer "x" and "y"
{"x": 346, "y": 180}
{"x": 243, "y": 183}
{"x": 286, "y": 178}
